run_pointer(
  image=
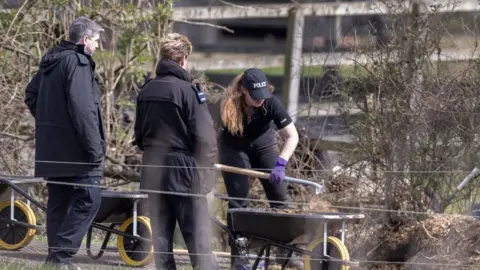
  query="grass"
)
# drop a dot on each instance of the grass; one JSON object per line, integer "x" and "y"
{"x": 26, "y": 263}
{"x": 347, "y": 71}
{"x": 307, "y": 71}
{"x": 271, "y": 71}
{"x": 39, "y": 266}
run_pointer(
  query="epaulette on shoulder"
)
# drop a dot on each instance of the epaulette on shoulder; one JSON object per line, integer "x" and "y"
{"x": 82, "y": 59}
{"x": 199, "y": 93}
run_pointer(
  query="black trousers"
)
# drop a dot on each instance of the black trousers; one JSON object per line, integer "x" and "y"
{"x": 70, "y": 213}
{"x": 191, "y": 212}
{"x": 194, "y": 223}
{"x": 259, "y": 154}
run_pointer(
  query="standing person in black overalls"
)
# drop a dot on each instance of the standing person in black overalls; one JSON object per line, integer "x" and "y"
{"x": 247, "y": 139}
{"x": 175, "y": 131}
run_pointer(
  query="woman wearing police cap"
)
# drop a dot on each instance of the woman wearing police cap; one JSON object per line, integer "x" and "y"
{"x": 247, "y": 139}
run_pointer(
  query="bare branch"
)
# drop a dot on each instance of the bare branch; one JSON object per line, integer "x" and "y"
{"x": 206, "y": 24}
{"x": 231, "y": 4}
{"x": 16, "y": 137}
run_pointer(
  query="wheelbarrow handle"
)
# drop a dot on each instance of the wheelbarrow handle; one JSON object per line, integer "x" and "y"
{"x": 469, "y": 177}
{"x": 472, "y": 174}
{"x": 318, "y": 188}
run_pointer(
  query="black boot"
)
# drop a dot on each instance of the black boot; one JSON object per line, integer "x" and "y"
{"x": 239, "y": 260}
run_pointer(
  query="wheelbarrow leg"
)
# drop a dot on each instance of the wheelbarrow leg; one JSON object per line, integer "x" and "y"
{"x": 343, "y": 232}
{"x": 264, "y": 249}
{"x": 267, "y": 250}
{"x": 284, "y": 264}
{"x": 325, "y": 237}
{"x": 104, "y": 244}
{"x": 135, "y": 213}
{"x": 267, "y": 258}
{"x": 259, "y": 257}
{"x": 12, "y": 203}
{"x": 325, "y": 242}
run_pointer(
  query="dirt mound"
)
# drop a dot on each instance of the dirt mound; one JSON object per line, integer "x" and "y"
{"x": 392, "y": 244}
{"x": 438, "y": 242}
{"x": 446, "y": 240}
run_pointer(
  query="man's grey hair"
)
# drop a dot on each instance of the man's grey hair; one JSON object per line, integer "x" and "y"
{"x": 83, "y": 26}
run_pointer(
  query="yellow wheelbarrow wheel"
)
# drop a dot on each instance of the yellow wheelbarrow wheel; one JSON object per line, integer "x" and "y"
{"x": 335, "y": 249}
{"x": 132, "y": 251}
{"x": 14, "y": 236}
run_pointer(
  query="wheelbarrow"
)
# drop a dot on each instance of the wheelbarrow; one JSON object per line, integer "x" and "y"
{"x": 18, "y": 224}
{"x": 266, "y": 228}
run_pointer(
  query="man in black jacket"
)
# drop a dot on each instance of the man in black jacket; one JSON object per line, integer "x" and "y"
{"x": 175, "y": 131}
{"x": 70, "y": 147}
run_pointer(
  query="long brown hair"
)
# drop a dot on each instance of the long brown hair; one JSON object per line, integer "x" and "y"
{"x": 234, "y": 106}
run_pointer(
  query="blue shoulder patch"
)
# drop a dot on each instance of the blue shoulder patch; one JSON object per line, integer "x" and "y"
{"x": 199, "y": 93}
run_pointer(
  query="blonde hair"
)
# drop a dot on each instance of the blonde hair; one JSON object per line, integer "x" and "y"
{"x": 175, "y": 46}
{"x": 234, "y": 106}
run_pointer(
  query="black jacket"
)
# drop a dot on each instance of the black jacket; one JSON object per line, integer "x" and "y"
{"x": 171, "y": 119}
{"x": 64, "y": 99}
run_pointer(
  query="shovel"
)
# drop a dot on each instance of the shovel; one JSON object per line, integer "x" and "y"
{"x": 318, "y": 188}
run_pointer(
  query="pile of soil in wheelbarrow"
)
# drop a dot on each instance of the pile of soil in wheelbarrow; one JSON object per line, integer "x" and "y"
{"x": 315, "y": 206}
{"x": 286, "y": 211}
{"x": 438, "y": 242}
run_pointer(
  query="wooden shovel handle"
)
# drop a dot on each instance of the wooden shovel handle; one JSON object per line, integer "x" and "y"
{"x": 242, "y": 171}
{"x": 225, "y": 168}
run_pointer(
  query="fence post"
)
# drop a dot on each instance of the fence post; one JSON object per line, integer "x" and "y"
{"x": 293, "y": 60}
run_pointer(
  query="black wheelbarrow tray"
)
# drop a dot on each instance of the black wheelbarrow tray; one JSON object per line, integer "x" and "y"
{"x": 18, "y": 224}
{"x": 265, "y": 228}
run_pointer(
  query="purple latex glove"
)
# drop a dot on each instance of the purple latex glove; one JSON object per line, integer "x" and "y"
{"x": 278, "y": 172}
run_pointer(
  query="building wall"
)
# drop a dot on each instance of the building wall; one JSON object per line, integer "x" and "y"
{"x": 199, "y": 35}
{"x": 269, "y": 35}
{"x": 259, "y": 35}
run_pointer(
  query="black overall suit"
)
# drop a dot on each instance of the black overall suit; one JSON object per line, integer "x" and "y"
{"x": 175, "y": 131}
{"x": 257, "y": 149}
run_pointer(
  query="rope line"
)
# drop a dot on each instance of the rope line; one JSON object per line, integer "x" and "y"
{"x": 226, "y": 197}
{"x": 254, "y": 256}
{"x": 259, "y": 169}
